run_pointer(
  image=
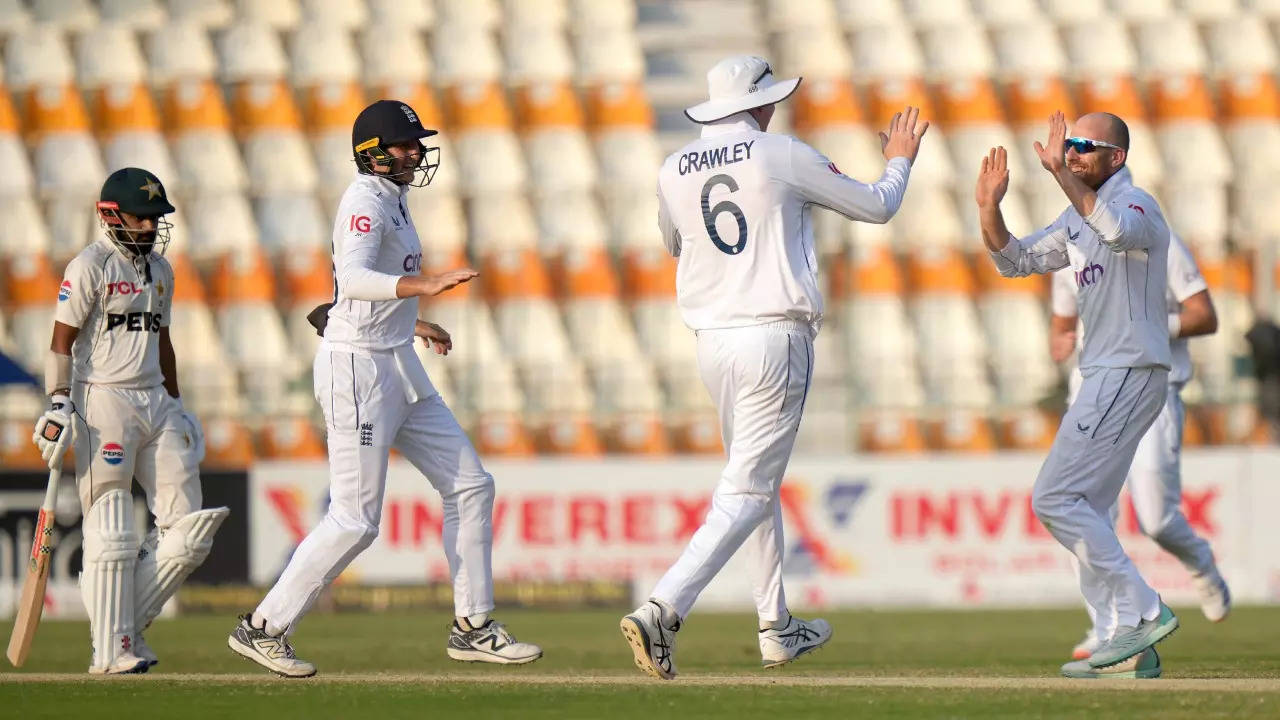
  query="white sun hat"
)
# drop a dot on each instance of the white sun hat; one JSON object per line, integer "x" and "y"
{"x": 738, "y": 83}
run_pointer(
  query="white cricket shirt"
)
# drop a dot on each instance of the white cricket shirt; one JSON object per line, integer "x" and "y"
{"x": 733, "y": 205}
{"x": 119, "y": 314}
{"x": 1118, "y": 258}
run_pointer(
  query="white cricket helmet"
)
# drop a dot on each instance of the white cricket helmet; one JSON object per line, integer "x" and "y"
{"x": 738, "y": 83}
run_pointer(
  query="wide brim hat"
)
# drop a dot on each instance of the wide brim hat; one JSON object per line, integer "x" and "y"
{"x": 738, "y": 83}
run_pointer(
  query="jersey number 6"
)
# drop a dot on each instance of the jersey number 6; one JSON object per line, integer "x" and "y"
{"x": 709, "y": 214}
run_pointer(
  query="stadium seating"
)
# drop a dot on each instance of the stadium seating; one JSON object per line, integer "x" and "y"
{"x": 554, "y": 117}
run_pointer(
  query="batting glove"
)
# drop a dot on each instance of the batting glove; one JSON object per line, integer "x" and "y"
{"x": 53, "y": 430}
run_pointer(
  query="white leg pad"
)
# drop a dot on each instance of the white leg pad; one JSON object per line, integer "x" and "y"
{"x": 180, "y": 550}
{"x": 106, "y": 582}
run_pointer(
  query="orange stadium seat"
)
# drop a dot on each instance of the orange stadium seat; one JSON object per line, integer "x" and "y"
{"x": 961, "y": 430}
{"x": 890, "y": 431}
{"x": 1028, "y": 429}
{"x": 291, "y": 438}
{"x": 228, "y": 444}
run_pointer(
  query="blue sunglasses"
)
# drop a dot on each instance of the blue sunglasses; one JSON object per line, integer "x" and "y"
{"x": 1084, "y": 146}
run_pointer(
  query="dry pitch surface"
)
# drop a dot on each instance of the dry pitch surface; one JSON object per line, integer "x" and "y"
{"x": 899, "y": 664}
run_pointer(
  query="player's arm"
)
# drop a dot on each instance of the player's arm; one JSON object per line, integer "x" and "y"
{"x": 1196, "y": 316}
{"x": 57, "y": 373}
{"x": 1064, "y": 318}
{"x": 357, "y": 276}
{"x": 1041, "y": 252}
{"x": 819, "y": 182}
{"x": 76, "y": 297}
{"x": 670, "y": 235}
{"x": 168, "y": 363}
{"x": 434, "y": 336}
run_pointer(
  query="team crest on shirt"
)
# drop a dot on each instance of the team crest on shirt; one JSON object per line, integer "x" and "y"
{"x": 159, "y": 289}
{"x": 64, "y": 292}
{"x": 113, "y": 453}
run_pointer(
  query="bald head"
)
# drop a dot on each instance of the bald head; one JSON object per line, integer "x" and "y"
{"x": 1103, "y": 126}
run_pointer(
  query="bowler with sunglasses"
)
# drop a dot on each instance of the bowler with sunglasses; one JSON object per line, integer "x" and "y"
{"x": 1114, "y": 237}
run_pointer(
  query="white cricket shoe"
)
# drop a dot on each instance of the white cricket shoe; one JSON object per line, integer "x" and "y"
{"x": 489, "y": 643}
{"x": 779, "y": 647}
{"x": 124, "y": 664}
{"x": 1215, "y": 597}
{"x": 271, "y": 652}
{"x": 1085, "y": 647}
{"x": 652, "y": 638}
{"x": 144, "y": 651}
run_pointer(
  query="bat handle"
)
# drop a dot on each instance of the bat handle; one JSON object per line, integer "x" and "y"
{"x": 51, "y": 491}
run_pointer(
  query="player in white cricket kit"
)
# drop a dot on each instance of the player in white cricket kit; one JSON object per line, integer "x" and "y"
{"x": 375, "y": 395}
{"x": 1155, "y": 478}
{"x": 734, "y": 206}
{"x": 112, "y": 379}
{"x": 1115, "y": 239}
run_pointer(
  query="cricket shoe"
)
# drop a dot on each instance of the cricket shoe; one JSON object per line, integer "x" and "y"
{"x": 144, "y": 651}
{"x": 779, "y": 647}
{"x": 1215, "y": 596}
{"x": 1129, "y": 641}
{"x": 1144, "y": 665}
{"x": 1086, "y": 647}
{"x": 489, "y": 643}
{"x": 125, "y": 664}
{"x": 270, "y": 651}
{"x": 651, "y": 633}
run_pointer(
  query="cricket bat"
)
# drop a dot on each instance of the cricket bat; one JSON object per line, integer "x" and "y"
{"x": 31, "y": 605}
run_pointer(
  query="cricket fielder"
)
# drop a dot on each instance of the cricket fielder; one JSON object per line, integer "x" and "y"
{"x": 112, "y": 380}
{"x": 1114, "y": 237}
{"x": 375, "y": 395}
{"x": 734, "y": 206}
{"x": 1155, "y": 478}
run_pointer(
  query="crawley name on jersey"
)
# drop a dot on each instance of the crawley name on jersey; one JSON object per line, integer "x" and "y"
{"x": 734, "y": 206}
{"x": 374, "y": 245}
{"x": 1185, "y": 280}
{"x": 119, "y": 314}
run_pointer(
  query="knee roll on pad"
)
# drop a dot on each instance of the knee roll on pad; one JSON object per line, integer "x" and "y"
{"x": 108, "y": 529}
{"x": 180, "y": 550}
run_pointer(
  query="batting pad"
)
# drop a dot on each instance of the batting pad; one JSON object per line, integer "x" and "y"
{"x": 180, "y": 550}
{"x": 106, "y": 582}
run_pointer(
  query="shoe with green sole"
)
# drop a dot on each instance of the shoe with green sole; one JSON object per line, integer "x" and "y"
{"x": 1144, "y": 665}
{"x": 1129, "y": 641}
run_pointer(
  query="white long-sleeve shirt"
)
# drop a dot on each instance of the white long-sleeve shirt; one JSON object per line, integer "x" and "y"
{"x": 375, "y": 243}
{"x": 1184, "y": 280}
{"x": 733, "y": 205}
{"x": 1118, "y": 257}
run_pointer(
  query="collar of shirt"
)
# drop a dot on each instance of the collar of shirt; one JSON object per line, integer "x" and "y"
{"x": 1119, "y": 182}
{"x": 382, "y": 184}
{"x": 735, "y": 123}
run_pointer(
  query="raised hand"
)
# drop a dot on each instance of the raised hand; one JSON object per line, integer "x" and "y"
{"x": 436, "y": 284}
{"x": 1053, "y": 154}
{"x": 902, "y": 140}
{"x": 993, "y": 178}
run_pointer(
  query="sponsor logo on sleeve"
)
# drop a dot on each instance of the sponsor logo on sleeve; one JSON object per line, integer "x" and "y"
{"x": 64, "y": 292}
{"x": 360, "y": 223}
{"x": 832, "y": 167}
{"x": 1138, "y": 208}
{"x": 113, "y": 453}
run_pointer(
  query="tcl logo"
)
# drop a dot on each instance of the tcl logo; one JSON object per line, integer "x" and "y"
{"x": 123, "y": 288}
{"x": 360, "y": 223}
{"x": 413, "y": 263}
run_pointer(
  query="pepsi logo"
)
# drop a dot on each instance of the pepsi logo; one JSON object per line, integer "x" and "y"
{"x": 64, "y": 292}
{"x": 112, "y": 453}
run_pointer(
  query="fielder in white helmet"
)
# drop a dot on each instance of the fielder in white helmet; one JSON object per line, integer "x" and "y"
{"x": 112, "y": 381}
{"x": 734, "y": 207}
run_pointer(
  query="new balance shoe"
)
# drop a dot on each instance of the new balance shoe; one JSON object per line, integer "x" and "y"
{"x": 125, "y": 664}
{"x": 1129, "y": 641}
{"x": 1215, "y": 596}
{"x": 779, "y": 647}
{"x": 144, "y": 651}
{"x": 1086, "y": 647}
{"x": 1145, "y": 664}
{"x": 272, "y": 652}
{"x": 491, "y": 643}
{"x": 651, "y": 633}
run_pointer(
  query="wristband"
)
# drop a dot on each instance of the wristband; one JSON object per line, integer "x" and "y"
{"x": 1175, "y": 325}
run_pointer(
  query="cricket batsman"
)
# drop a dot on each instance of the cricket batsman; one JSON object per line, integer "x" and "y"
{"x": 1116, "y": 241}
{"x": 375, "y": 395}
{"x": 734, "y": 207}
{"x": 112, "y": 380}
{"x": 1155, "y": 478}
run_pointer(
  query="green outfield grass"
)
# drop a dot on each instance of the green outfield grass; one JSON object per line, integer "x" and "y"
{"x": 880, "y": 664}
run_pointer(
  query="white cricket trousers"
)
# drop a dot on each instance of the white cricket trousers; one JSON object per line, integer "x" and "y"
{"x": 759, "y": 378}
{"x": 1155, "y": 486}
{"x": 1082, "y": 477}
{"x": 367, "y": 410}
